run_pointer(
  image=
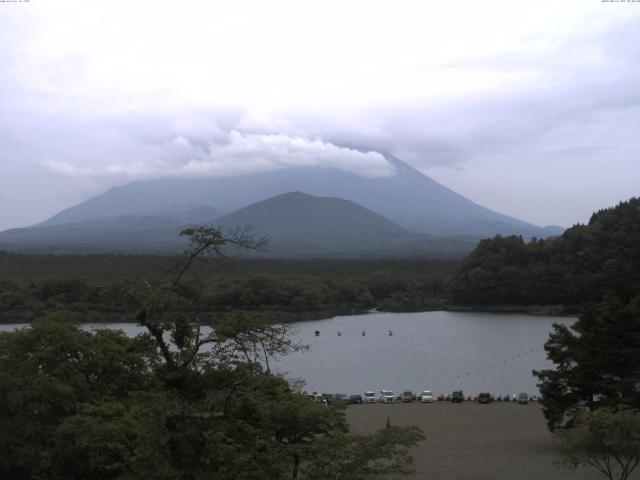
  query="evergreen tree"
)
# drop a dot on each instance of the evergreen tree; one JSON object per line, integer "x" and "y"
{"x": 597, "y": 361}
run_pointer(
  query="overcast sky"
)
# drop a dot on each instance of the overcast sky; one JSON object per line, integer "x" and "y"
{"x": 531, "y": 108}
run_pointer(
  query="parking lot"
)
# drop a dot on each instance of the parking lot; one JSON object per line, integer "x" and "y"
{"x": 501, "y": 440}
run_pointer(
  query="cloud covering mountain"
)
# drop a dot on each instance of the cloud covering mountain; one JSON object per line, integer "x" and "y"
{"x": 407, "y": 197}
{"x": 517, "y": 109}
{"x": 242, "y": 153}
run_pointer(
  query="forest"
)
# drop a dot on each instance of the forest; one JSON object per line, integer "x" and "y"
{"x": 571, "y": 269}
{"x": 98, "y": 286}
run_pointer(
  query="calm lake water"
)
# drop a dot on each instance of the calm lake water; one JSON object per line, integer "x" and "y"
{"x": 439, "y": 351}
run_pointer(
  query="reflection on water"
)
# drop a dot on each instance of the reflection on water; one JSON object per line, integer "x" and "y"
{"x": 438, "y": 351}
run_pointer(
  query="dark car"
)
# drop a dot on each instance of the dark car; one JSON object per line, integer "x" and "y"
{"x": 329, "y": 398}
{"x": 355, "y": 399}
{"x": 485, "y": 398}
{"x": 457, "y": 396}
{"x": 341, "y": 397}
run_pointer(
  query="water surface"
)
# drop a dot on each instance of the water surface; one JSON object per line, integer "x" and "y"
{"x": 439, "y": 351}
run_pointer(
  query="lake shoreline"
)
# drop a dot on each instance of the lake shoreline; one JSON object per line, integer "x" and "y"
{"x": 92, "y": 316}
{"x": 533, "y": 310}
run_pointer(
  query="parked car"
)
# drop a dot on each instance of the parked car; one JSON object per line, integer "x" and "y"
{"x": 329, "y": 398}
{"x": 387, "y": 396}
{"x": 355, "y": 399}
{"x": 457, "y": 396}
{"x": 407, "y": 396}
{"x": 369, "y": 397}
{"x": 426, "y": 397}
{"x": 484, "y": 398}
{"x": 523, "y": 398}
{"x": 343, "y": 397}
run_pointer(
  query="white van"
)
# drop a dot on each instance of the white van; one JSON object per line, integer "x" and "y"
{"x": 387, "y": 396}
{"x": 426, "y": 397}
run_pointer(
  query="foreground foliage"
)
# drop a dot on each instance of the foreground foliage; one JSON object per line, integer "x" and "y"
{"x": 178, "y": 402}
{"x": 605, "y": 439}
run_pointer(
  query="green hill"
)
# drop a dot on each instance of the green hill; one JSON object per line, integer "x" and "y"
{"x": 298, "y": 224}
{"x": 407, "y": 197}
{"x": 571, "y": 269}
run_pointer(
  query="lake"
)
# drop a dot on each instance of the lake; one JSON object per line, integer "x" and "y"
{"x": 439, "y": 351}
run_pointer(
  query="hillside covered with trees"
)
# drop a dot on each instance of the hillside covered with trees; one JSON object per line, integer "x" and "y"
{"x": 570, "y": 270}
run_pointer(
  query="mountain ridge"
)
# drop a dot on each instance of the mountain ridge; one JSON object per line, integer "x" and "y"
{"x": 408, "y": 198}
{"x": 297, "y": 225}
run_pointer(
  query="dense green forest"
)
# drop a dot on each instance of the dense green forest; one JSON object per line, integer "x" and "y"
{"x": 571, "y": 269}
{"x": 99, "y": 286}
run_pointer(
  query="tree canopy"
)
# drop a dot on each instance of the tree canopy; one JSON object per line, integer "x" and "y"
{"x": 597, "y": 361}
{"x": 582, "y": 264}
{"x": 605, "y": 439}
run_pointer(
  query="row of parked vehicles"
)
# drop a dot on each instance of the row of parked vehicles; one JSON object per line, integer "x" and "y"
{"x": 388, "y": 396}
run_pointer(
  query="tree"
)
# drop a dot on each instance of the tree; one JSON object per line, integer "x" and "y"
{"x": 232, "y": 416}
{"x": 365, "y": 457}
{"x": 605, "y": 439}
{"x": 597, "y": 362}
{"x": 50, "y": 372}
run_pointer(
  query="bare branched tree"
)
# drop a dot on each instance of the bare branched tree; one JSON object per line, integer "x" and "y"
{"x": 178, "y": 335}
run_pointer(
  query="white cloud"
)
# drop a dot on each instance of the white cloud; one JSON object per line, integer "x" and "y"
{"x": 241, "y": 153}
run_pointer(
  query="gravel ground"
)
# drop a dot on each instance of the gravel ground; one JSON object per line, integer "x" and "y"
{"x": 500, "y": 441}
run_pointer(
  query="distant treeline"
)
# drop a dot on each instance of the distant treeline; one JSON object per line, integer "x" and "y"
{"x": 572, "y": 269}
{"x": 101, "y": 287}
